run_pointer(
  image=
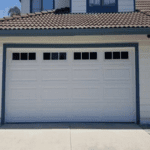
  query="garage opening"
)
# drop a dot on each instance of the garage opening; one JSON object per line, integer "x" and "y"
{"x": 70, "y": 85}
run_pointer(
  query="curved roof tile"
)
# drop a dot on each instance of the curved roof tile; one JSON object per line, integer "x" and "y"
{"x": 62, "y": 19}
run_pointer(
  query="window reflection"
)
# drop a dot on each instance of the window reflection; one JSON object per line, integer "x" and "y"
{"x": 36, "y": 6}
{"x": 109, "y": 2}
{"x": 94, "y": 2}
{"x": 47, "y": 4}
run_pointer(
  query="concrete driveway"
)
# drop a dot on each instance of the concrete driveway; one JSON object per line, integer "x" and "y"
{"x": 73, "y": 136}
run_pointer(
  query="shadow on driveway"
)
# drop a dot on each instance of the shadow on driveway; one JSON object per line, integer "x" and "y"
{"x": 72, "y": 126}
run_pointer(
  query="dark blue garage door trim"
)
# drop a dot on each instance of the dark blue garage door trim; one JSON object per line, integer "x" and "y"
{"x": 5, "y": 46}
{"x": 72, "y": 32}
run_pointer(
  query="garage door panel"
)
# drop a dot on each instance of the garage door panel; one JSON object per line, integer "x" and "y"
{"x": 85, "y": 83}
{"x": 23, "y": 119}
{"x": 23, "y": 115}
{"x": 44, "y": 104}
{"x": 86, "y": 74}
{"x": 120, "y": 83}
{"x": 113, "y": 92}
{"x": 54, "y": 83}
{"x": 23, "y": 74}
{"x": 55, "y": 93}
{"x": 72, "y": 119}
{"x": 23, "y": 84}
{"x": 24, "y": 108}
{"x": 55, "y": 74}
{"x": 117, "y": 73}
{"x": 75, "y": 115}
{"x": 80, "y": 93}
{"x": 84, "y": 108}
{"x": 54, "y": 64}
{"x": 49, "y": 101}
{"x": 23, "y": 93}
{"x": 94, "y": 109}
{"x": 23, "y": 63}
{"x": 23, "y": 102}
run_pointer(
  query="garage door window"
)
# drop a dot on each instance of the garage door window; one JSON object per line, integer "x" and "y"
{"x": 15, "y": 56}
{"x": 32, "y": 56}
{"x": 108, "y": 55}
{"x": 93, "y": 55}
{"x": 85, "y": 55}
{"x": 55, "y": 56}
{"x": 62, "y": 56}
{"x": 124, "y": 55}
{"x": 24, "y": 56}
{"x": 77, "y": 55}
{"x": 46, "y": 56}
{"x": 117, "y": 55}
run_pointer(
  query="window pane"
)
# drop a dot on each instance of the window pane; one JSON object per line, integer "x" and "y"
{"x": 36, "y": 6}
{"x": 47, "y": 4}
{"x": 109, "y": 2}
{"x": 91, "y": 2}
{"x": 85, "y": 55}
{"x": 97, "y": 2}
{"x": 24, "y": 56}
{"x": 15, "y": 56}
{"x": 46, "y": 56}
{"x": 93, "y": 55}
{"x": 94, "y": 2}
{"x": 124, "y": 55}
{"x": 32, "y": 56}
{"x": 54, "y": 56}
{"x": 77, "y": 55}
{"x": 108, "y": 55}
{"x": 62, "y": 56}
{"x": 116, "y": 55}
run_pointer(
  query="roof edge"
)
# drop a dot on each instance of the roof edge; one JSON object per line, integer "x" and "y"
{"x": 74, "y": 32}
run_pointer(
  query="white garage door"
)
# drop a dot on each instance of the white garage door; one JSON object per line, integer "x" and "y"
{"x": 70, "y": 85}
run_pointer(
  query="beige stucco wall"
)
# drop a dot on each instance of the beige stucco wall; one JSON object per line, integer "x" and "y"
{"x": 144, "y": 61}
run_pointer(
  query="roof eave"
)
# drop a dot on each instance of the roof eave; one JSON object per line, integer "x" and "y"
{"x": 73, "y": 32}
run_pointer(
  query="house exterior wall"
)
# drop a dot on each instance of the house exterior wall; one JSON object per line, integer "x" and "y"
{"x": 125, "y": 5}
{"x": 144, "y": 67}
{"x": 62, "y": 3}
{"x": 144, "y": 58}
{"x": 78, "y": 6}
{"x": 1, "y": 62}
{"x": 25, "y": 6}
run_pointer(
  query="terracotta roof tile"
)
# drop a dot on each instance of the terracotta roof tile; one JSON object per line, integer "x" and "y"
{"x": 61, "y": 19}
{"x": 143, "y": 5}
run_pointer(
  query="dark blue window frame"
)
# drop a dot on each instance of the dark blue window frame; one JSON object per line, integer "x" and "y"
{"x": 41, "y": 5}
{"x": 102, "y": 8}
